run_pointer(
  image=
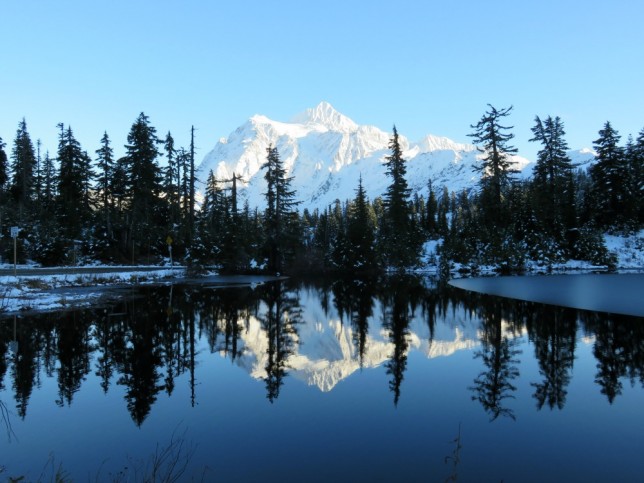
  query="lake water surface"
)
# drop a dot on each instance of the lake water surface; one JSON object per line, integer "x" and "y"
{"x": 614, "y": 293}
{"x": 395, "y": 379}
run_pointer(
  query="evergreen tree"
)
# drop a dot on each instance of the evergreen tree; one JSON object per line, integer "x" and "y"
{"x": 340, "y": 256}
{"x": 4, "y": 182}
{"x": 171, "y": 181}
{"x": 24, "y": 162}
{"x": 442, "y": 210}
{"x": 88, "y": 175}
{"x": 280, "y": 218}
{"x": 496, "y": 166}
{"x": 105, "y": 161}
{"x": 211, "y": 223}
{"x": 609, "y": 177}
{"x": 120, "y": 185}
{"x": 235, "y": 256}
{"x": 553, "y": 187}
{"x": 361, "y": 232}
{"x": 4, "y": 169}
{"x": 400, "y": 241}
{"x": 38, "y": 172}
{"x": 636, "y": 164}
{"x": 191, "y": 181}
{"x": 431, "y": 224}
{"x": 73, "y": 203}
{"x": 48, "y": 191}
{"x": 634, "y": 179}
{"x": 104, "y": 188}
{"x": 183, "y": 173}
{"x": 144, "y": 185}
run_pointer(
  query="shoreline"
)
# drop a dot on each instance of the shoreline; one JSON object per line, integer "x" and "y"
{"x": 38, "y": 293}
{"x": 37, "y": 290}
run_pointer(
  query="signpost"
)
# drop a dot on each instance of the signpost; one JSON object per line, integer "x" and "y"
{"x": 169, "y": 242}
{"x": 14, "y": 235}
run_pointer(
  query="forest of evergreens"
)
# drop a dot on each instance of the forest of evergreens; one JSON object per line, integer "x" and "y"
{"x": 71, "y": 206}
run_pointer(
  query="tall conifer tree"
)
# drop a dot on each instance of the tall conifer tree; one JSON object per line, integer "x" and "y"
{"x": 609, "y": 177}
{"x": 361, "y": 232}
{"x": 23, "y": 165}
{"x": 637, "y": 173}
{"x": 74, "y": 173}
{"x": 553, "y": 177}
{"x": 280, "y": 201}
{"x": 4, "y": 169}
{"x": 144, "y": 185}
{"x": 496, "y": 166}
{"x": 399, "y": 241}
{"x": 105, "y": 161}
{"x": 192, "y": 182}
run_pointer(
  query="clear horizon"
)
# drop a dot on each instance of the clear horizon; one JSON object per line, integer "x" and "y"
{"x": 428, "y": 68}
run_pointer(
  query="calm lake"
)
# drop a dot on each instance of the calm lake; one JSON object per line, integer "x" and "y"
{"x": 395, "y": 379}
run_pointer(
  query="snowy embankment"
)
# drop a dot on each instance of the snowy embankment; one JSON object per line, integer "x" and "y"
{"x": 43, "y": 292}
{"x": 628, "y": 251}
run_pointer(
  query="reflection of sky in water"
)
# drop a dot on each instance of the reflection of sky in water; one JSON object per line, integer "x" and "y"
{"x": 352, "y": 430}
{"x": 617, "y": 294}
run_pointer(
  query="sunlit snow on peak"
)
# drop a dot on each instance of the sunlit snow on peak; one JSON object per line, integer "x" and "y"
{"x": 324, "y": 114}
{"x": 325, "y": 153}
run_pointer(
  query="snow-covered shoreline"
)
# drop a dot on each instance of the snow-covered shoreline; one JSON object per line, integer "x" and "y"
{"x": 40, "y": 293}
{"x": 92, "y": 285}
{"x": 50, "y": 290}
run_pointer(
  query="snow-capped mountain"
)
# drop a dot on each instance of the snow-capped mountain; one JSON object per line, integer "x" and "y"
{"x": 325, "y": 153}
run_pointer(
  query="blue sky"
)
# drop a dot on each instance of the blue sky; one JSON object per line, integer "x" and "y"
{"x": 427, "y": 66}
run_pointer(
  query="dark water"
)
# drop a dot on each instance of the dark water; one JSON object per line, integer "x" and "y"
{"x": 335, "y": 381}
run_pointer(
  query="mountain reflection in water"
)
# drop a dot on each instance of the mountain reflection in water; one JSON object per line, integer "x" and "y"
{"x": 317, "y": 332}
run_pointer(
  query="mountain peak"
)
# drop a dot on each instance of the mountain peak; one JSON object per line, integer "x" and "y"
{"x": 325, "y": 115}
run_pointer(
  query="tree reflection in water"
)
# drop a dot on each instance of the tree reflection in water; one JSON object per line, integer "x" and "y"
{"x": 553, "y": 332}
{"x": 145, "y": 343}
{"x": 619, "y": 350}
{"x": 280, "y": 320}
{"x": 495, "y": 384}
{"x": 354, "y": 300}
{"x": 396, "y": 318}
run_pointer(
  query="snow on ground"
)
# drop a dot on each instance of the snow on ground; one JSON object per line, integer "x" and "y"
{"x": 629, "y": 249}
{"x": 55, "y": 292}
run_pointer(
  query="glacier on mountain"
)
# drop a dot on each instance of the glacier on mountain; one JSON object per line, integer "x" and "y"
{"x": 325, "y": 153}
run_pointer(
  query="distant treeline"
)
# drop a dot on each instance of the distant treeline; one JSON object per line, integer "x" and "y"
{"x": 72, "y": 207}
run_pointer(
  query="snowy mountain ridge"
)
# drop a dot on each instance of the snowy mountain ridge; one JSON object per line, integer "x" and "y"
{"x": 325, "y": 115}
{"x": 325, "y": 153}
